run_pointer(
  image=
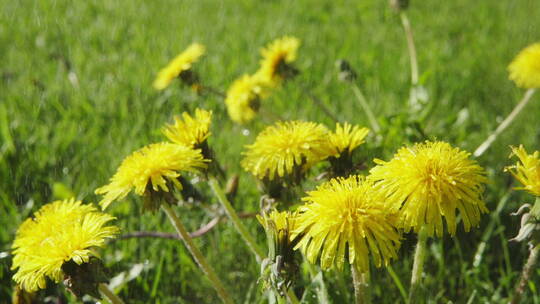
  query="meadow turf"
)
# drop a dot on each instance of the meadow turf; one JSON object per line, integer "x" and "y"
{"x": 76, "y": 98}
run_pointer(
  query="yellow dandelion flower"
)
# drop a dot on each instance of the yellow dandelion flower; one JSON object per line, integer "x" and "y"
{"x": 526, "y": 170}
{"x": 430, "y": 181}
{"x": 345, "y": 219}
{"x": 525, "y": 68}
{"x": 346, "y": 138}
{"x": 181, "y": 64}
{"x": 61, "y": 231}
{"x": 277, "y": 57}
{"x": 190, "y": 131}
{"x": 243, "y": 98}
{"x": 152, "y": 166}
{"x": 282, "y": 148}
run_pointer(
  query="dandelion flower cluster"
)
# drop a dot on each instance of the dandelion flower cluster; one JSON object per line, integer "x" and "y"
{"x": 282, "y": 148}
{"x": 430, "y": 181}
{"x": 525, "y": 68}
{"x": 61, "y": 231}
{"x": 152, "y": 166}
{"x": 180, "y": 64}
{"x": 190, "y": 131}
{"x": 276, "y": 58}
{"x": 346, "y": 138}
{"x": 344, "y": 219}
{"x": 527, "y": 170}
{"x": 243, "y": 98}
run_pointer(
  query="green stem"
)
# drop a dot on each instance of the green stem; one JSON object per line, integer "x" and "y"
{"x": 363, "y": 102}
{"x": 411, "y": 47}
{"x": 506, "y": 122}
{"x": 109, "y": 294}
{"x": 321, "y": 105}
{"x": 418, "y": 266}
{"x": 317, "y": 277}
{"x": 361, "y": 286}
{"x": 216, "y": 188}
{"x": 526, "y": 274}
{"x": 412, "y": 57}
{"x": 488, "y": 232}
{"x": 397, "y": 281}
{"x": 291, "y": 297}
{"x": 212, "y": 90}
{"x": 197, "y": 255}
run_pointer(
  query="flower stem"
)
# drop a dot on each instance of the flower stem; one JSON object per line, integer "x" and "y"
{"x": 363, "y": 102}
{"x": 397, "y": 281}
{"x": 361, "y": 286}
{"x": 222, "y": 198}
{"x": 507, "y": 121}
{"x": 197, "y": 255}
{"x": 109, "y": 294}
{"x": 418, "y": 266}
{"x": 526, "y": 273}
{"x": 411, "y": 47}
{"x": 320, "y": 104}
{"x": 212, "y": 90}
{"x": 291, "y": 297}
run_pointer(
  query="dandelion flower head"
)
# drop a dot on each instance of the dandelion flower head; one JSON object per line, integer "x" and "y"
{"x": 526, "y": 170}
{"x": 430, "y": 181}
{"x": 525, "y": 68}
{"x": 59, "y": 232}
{"x": 276, "y": 56}
{"x": 178, "y": 65}
{"x": 346, "y": 138}
{"x": 152, "y": 166}
{"x": 346, "y": 220}
{"x": 243, "y": 98}
{"x": 282, "y": 148}
{"x": 188, "y": 130}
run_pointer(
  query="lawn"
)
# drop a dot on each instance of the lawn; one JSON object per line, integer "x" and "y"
{"x": 76, "y": 97}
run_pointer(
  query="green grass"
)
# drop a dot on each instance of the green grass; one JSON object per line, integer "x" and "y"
{"x": 76, "y": 132}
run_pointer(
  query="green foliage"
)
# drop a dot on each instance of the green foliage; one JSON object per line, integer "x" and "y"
{"x": 76, "y": 98}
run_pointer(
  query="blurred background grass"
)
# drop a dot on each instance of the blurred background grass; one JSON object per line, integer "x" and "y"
{"x": 76, "y": 98}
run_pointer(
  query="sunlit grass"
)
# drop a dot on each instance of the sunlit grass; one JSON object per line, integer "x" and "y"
{"x": 76, "y": 96}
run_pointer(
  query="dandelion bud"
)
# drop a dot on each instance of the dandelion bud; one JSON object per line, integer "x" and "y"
{"x": 399, "y": 5}
{"x": 281, "y": 267}
{"x": 345, "y": 71}
{"x": 232, "y": 186}
{"x": 529, "y": 230}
